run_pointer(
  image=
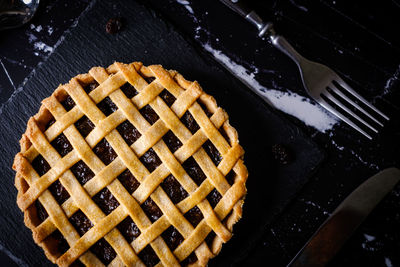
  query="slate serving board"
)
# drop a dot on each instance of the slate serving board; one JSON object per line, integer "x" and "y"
{"x": 147, "y": 38}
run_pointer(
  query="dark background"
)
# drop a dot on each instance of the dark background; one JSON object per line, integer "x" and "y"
{"x": 359, "y": 40}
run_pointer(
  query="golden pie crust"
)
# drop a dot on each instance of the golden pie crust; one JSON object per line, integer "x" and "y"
{"x": 189, "y": 95}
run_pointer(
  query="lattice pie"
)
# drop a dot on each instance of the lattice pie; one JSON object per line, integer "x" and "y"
{"x": 130, "y": 165}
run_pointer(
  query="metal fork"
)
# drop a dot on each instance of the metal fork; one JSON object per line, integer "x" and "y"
{"x": 321, "y": 83}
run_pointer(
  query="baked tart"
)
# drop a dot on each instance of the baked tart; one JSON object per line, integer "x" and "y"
{"x": 130, "y": 166}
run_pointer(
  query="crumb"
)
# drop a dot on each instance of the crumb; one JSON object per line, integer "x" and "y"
{"x": 282, "y": 154}
{"x": 114, "y": 25}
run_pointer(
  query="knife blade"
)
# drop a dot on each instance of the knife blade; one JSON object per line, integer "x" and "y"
{"x": 335, "y": 231}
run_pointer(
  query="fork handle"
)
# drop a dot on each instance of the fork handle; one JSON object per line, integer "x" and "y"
{"x": 250, "y": 15}
{"x": 264, "y": 28}
{"x": 284, "y": 46}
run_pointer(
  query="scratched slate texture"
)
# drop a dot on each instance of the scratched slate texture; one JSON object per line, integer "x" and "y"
{"x": 147, "y": 38}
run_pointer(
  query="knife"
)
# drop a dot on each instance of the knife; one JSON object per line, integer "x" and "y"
{"x": 335, "y": 231}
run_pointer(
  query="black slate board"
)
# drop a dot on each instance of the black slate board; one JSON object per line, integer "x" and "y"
{"x": 147, "y": 38}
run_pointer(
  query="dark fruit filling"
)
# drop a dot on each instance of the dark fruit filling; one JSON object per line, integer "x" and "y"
{"x": 84, "y": 126}
{"x": 172, "y": 237}
{"x": 68, "y": 103}
{"x": 128, "y": 132}
{"x": 173, "y": 189}
{"x": 106, "y": 201}
{"x": 58, "y": 241}
{"x": 152, "y": 210}
{"x": 192, "y": 258}
{"x": 172, "y": 142}
{"x": 59, "y": 192}
{"x": 40, "y": 165}
{"x": 129, "y": 229}
{"x": 194, "y": 171}
{"x": 190, "y": 123}
{"x": 103, "y": 251}
{"x": 107, "y": 106}
{"x": 128, "y": 181}
{"x": 194, "y": 216}
{"x": 81, "y": 223}
{"x": 129, "y": 90}
{"x": 212, "y": 152}
{"x": 105, "y": 151}
{"x": 41, "y": 212}
{"x": 214, "y": 197}
{"x": 62, "y": 145}
{"x": 149, "y": 114}
{"x": 168, "y": 98}
{"x": 82, "y": 172}
{"x": 148, "y": 256}
{"x": 150, "y": 160}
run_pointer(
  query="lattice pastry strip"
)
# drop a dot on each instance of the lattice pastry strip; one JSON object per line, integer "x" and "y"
{"x": 112, "y": 140}
{"x": 149, "y": 96}
{"x": 180, "y": 222}
{"x": 80, "y": 197}
{"x": 166, "y": 115}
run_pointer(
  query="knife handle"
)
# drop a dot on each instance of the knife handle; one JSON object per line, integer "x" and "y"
{"x": 250, "y": 15}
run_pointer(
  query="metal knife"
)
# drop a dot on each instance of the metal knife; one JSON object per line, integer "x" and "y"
{"x": 335, "y": 231}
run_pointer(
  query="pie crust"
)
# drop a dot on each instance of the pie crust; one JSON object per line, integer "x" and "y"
{"x": 227, "y": 178}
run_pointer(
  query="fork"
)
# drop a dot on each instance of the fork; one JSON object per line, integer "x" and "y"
{"x": 320, "y": 82}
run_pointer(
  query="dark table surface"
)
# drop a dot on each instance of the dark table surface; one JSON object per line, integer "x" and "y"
{"x": 358, "y": 39}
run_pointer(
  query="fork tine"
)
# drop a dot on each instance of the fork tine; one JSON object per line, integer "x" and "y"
{"x": 354, "y": 104}
{"x": 328, "y": 107}
{"x": 337, "y": 102}
{"x": 354, "y": 93}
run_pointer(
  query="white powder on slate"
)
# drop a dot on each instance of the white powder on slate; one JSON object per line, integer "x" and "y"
{"x": 388, "y": 262}
{"x": 291, "y": 103}
{"x": 302, "y": 8}
{"x": 369, "y": 244}
{"x": 50, "y": 30}
{"x": 315, "y": 205}
{"x": 186, "y": 4}
{"x": 388, "y": 86}
{"x": 43, "y": 47}
{"x": 369, "y": 238}
{"x": 38, "y": 28}
{"x": 31, "y": 37}
{"x": 38, "y": 45}
{"x": 366, "y": 163}
{"x": 341, "y": 148}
